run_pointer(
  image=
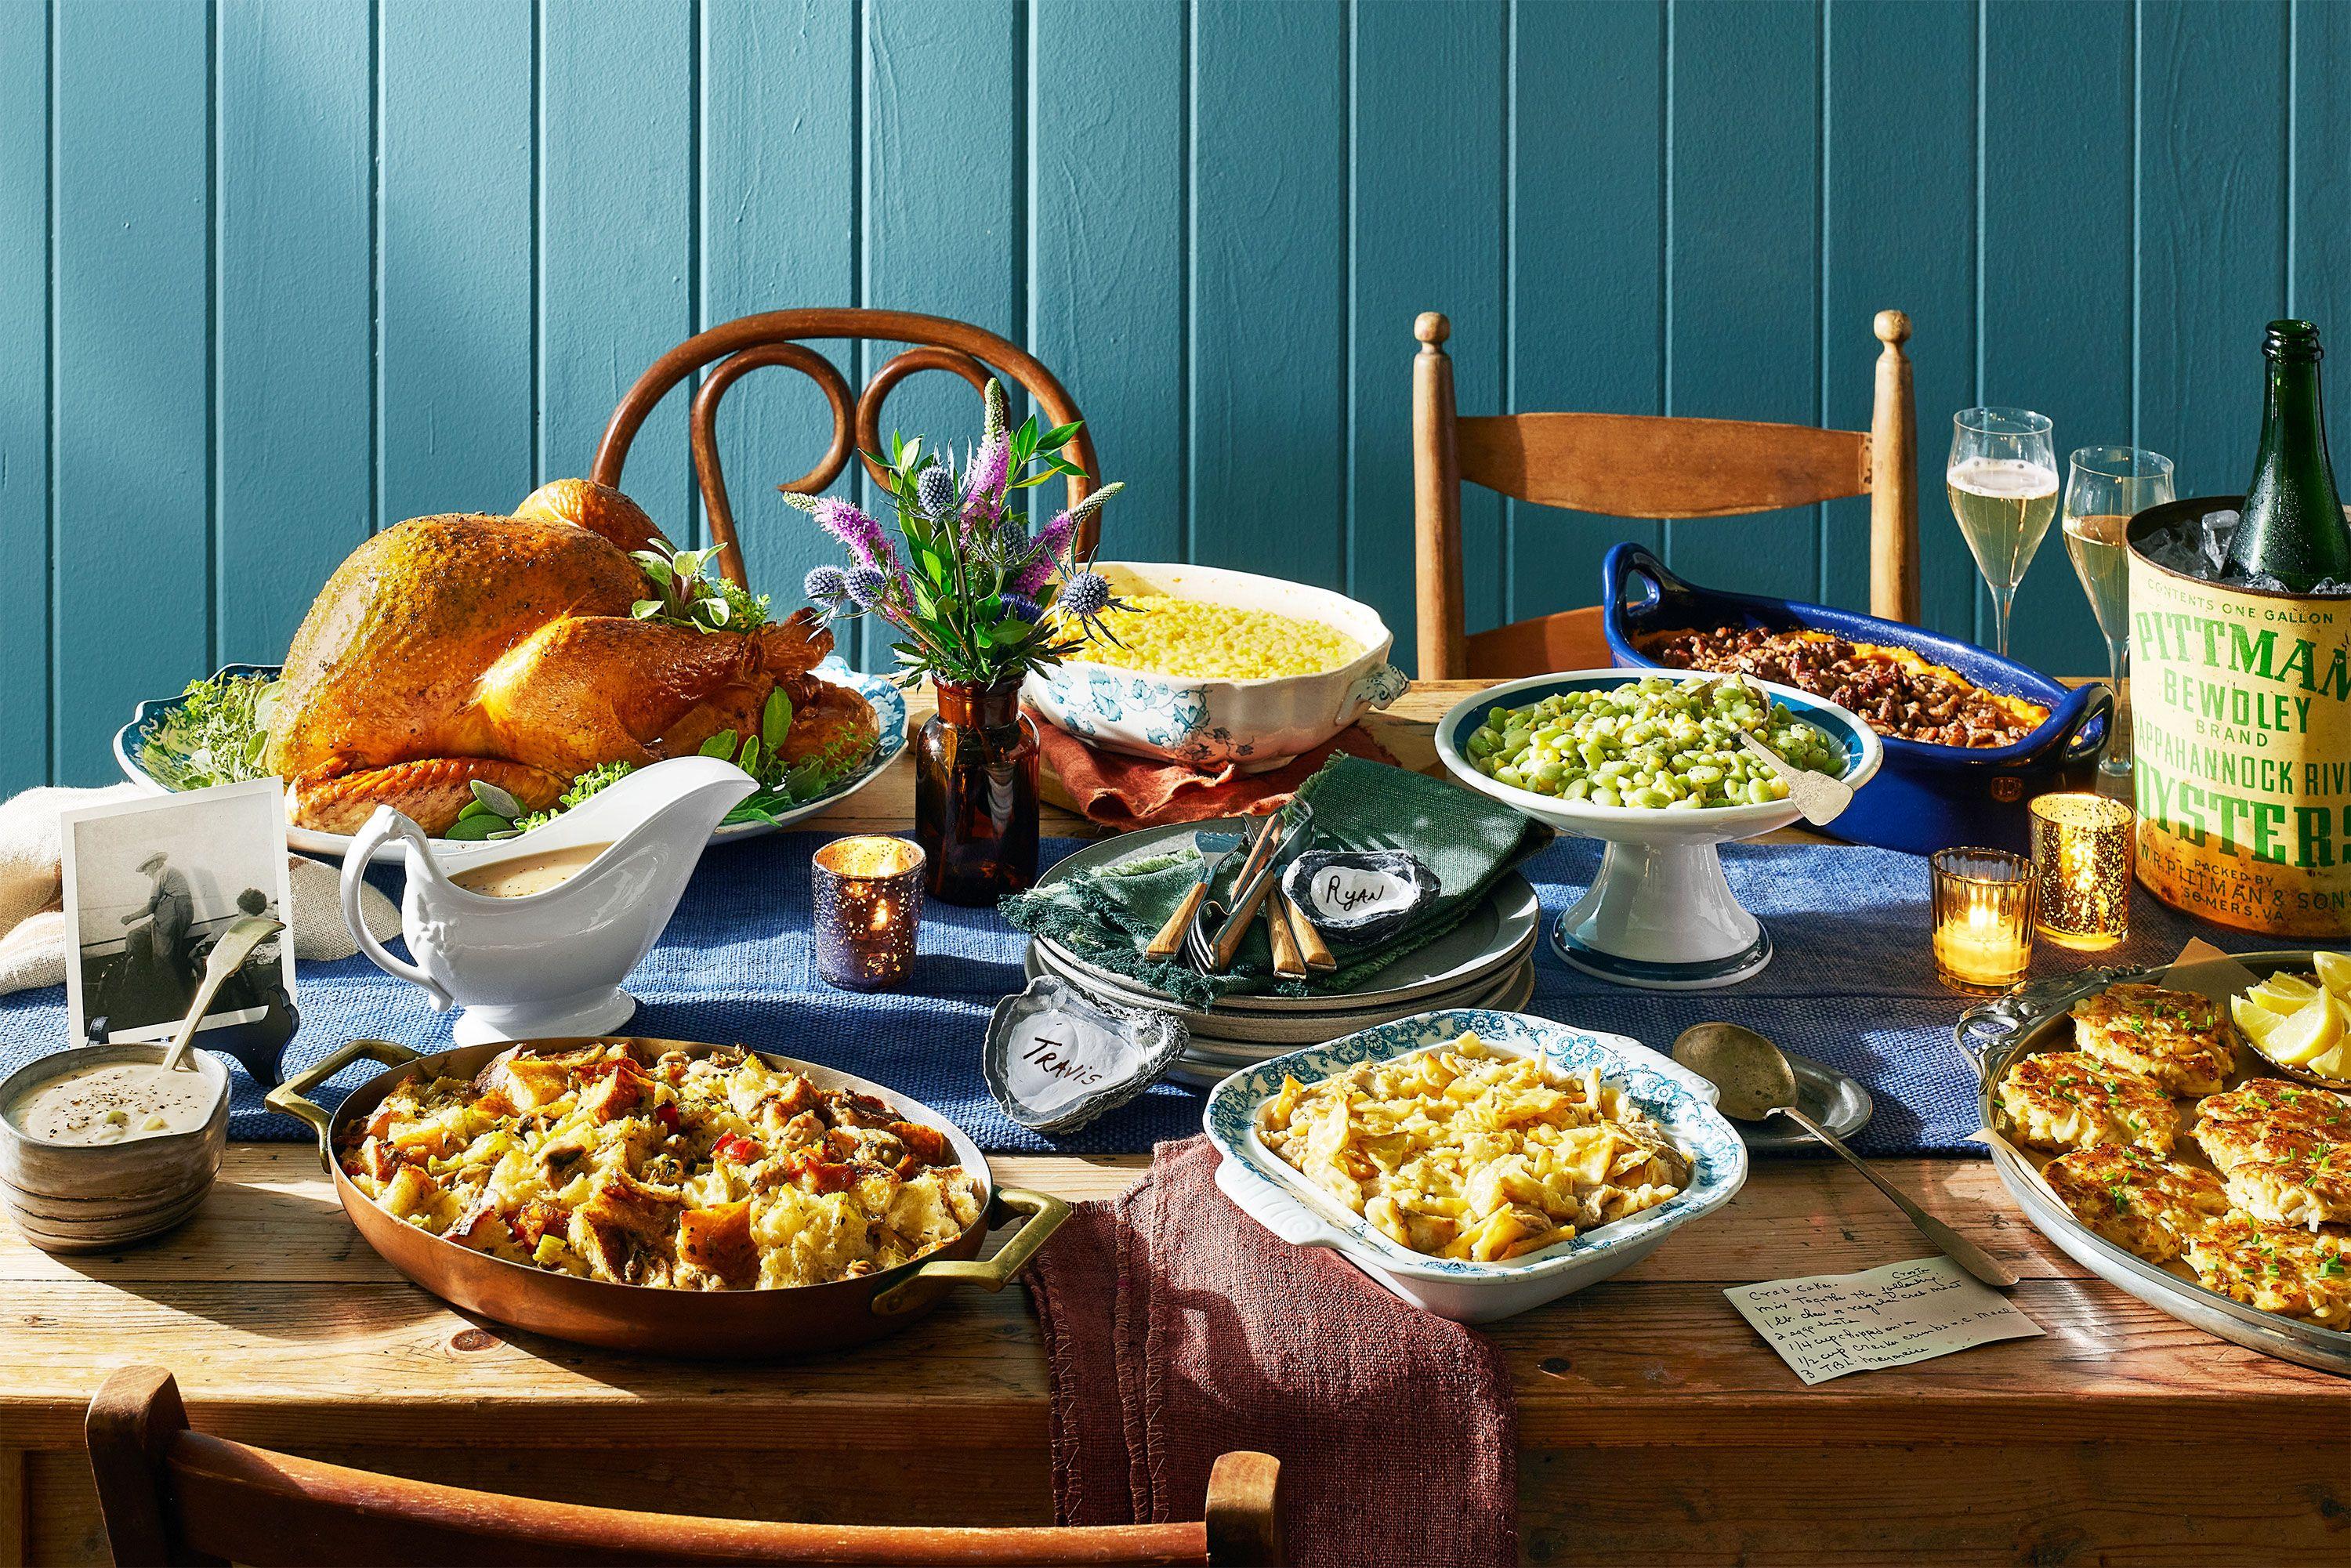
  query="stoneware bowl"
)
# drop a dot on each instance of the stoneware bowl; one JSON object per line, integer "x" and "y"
{"x": 1256, "y": 725}
{"x": 1659, "y": 914}
{"x": 70, "y": 1198}
{"x": 1282, "y": 1200}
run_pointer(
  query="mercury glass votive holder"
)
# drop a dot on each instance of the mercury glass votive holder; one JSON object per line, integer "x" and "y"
{"x": 1983, "y": 918}
{"x": 868, "y": 894}
{"x": 2082, "y": 869}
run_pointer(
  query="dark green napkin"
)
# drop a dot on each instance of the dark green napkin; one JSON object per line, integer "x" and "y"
{"x": 1107, "y": 917}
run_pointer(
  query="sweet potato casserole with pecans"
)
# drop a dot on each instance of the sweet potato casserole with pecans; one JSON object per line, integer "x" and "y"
{"x": 708, "y": 1172}
{"x": 1892, "y": 690}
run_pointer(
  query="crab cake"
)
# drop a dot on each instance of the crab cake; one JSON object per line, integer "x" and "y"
{"x": 2182, "y": 1041}
{"x": 2277, "y": 1268}
{"x": 2140, "y": 1202}
{"x": 2268, "y": 1119}
{"x": 2300, "y": 1189}
{"x": 2066, "y": 1100}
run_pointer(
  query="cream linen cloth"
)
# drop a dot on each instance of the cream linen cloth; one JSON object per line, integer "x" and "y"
{"x": 32, "y": 944}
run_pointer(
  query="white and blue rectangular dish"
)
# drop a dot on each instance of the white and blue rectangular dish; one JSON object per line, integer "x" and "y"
{"x": 1282, "y": 1200}
{"x": 1926, "y": 797}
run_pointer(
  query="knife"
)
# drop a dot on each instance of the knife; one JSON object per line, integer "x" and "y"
{"x": 1213, "y": 848}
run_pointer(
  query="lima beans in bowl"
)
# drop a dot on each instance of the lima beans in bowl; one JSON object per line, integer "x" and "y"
{"x": 1653, "y": 744}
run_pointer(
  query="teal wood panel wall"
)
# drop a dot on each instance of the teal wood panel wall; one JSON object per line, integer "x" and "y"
{"x": 275, "y": 272}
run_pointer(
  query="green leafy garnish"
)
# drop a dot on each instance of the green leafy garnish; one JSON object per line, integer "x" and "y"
{"x": 218, "y": 734}
{"x": 694, "y": 593}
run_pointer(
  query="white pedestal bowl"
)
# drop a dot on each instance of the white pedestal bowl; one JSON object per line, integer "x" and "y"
{"x": 1659, "y": 915}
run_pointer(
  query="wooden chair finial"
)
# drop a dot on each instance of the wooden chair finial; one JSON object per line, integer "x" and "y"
{"x": 1432, "y": 329}
{"x": 1893, "y": 328}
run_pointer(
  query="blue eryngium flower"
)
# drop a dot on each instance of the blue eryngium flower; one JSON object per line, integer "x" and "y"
{"x": 1085, "y": 595}
{"x": 825, "y": 585}
{"x": 1021, "y": 607}
{"x": 865, "y": 586}
{"x": 935, "y": 492}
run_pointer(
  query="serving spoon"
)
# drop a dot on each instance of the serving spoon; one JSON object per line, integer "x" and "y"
{"x": 236, "y": 945}
{"x": 1755, "y": 1082}
{"x": 1818, "y": 799}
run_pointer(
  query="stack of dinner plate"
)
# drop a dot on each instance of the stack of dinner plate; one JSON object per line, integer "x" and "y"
{"x": 1486, "y": 961}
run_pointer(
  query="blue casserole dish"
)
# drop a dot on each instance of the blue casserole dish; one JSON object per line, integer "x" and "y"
{"x": 1926, "y": 797}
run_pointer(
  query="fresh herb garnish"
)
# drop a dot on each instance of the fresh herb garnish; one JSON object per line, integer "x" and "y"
{"x": 694, "y": 593}
{"x": 218, "y": 734}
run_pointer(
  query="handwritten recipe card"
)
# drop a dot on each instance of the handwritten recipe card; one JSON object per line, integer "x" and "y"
{"x": 1831, "y": 1324}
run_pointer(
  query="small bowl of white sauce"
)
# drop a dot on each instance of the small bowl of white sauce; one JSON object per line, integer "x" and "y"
{"x": 101, "y": 1147}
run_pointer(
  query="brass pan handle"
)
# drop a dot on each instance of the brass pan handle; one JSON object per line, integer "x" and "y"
{"x": 930, "y": 1280}
{"x": 289, "y": 1098}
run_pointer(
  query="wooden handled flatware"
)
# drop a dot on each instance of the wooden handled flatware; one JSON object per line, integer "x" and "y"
{"x": 1213, "y": 848}
{"x": 1251, "y": 893}
{"x": 1288, "y": 962}
{"x": 1310, "y": 945}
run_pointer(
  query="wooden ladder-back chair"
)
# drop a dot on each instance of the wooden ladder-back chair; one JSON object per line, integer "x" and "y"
{"x": 773, "y": 338}
{"x": 1642, "y": 465}
{"x": 170, "y": 1495}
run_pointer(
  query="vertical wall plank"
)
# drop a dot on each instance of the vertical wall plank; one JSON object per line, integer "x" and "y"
{"x": 455, "y": 333}
{"x": 132, "y": 367}
{"x": 1587, "y": 246}
{"x": 2057, "y": 254}
{"x": 25, "y": 392}
{"x": 778, "y": 230}
{"x": 1745, "y": 291}
{"x": 297, "y": 320}
{"x": 1270, "y": 354}
{"x": 1429, "y": 112}
{"x": 615, "y": 235}
{"x": 945, "y": 157}
{"x": 1901, "y": 234}
{"x": 1106, "y": 251}
{"x": 2212, "y": 116}
{"x": 2322, "y": 242}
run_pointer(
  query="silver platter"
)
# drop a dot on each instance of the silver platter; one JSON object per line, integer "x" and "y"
{"x": 1491, "y": 938}
{"x": 2036, "y": 1016}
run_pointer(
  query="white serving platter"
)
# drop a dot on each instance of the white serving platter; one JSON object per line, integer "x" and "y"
{"x": 131, "y": 750}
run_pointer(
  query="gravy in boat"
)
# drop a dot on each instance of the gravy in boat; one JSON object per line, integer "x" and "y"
{"x": 115, "y": 1102}
{"x": 525, "y": 874}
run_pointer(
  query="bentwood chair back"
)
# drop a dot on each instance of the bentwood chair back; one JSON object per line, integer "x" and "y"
{"x": 775, "y": 337}
{"x": 1642, "y": 465}
{"x": 172, "y": 1496}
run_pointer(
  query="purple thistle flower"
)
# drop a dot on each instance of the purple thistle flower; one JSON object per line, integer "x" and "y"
{"x": 866, "y": 586}
{"x": 825, "y": 585}
{"x": 859, "y": 534}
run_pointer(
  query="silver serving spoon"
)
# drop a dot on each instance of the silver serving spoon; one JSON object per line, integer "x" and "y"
{"x": 1819, "y": 799}
{"x": 1755, "y": 1082}
{"x": 236, "y": 945}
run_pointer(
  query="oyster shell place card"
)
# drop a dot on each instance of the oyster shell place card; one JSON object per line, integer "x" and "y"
{"x": 1355, "y": 897}
{"x": 1055, "y": 1059}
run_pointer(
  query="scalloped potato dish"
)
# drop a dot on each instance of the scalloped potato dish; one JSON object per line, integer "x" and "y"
{"x": 697, "y": 1172}
{"x": 1460, "y": 1151}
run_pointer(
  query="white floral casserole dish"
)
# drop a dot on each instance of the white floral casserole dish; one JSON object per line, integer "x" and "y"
{"x": 1282, "y": 1200}
{"x": 1254, "y": 724}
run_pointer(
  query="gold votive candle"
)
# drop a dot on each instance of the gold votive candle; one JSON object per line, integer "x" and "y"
{"x": 1983, "y": 917}
{"x": 868, "y": 896}
{"x": 2082, "y": 869}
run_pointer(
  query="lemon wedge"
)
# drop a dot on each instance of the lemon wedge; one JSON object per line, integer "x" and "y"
{"x": 2308, "y": 1034}
{"x": 2283, "y": 993}
{"x": 2333, "y": 971}
{"x": 2335, "y": 1063}
{"x": 2255, "y": 1020}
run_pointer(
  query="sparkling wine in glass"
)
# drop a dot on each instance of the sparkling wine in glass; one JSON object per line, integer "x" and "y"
{"x": 2105, "y": 486}
{"x": 2002, "y": 481}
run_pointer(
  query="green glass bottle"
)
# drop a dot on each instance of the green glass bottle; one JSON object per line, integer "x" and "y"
{"x": 2293, "y": 527}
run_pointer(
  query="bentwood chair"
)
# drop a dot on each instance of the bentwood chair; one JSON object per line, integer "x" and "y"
{"x": 774, "y": 338}
{"x": 170, "y": 1495}
{"x": 1642, "y": 465}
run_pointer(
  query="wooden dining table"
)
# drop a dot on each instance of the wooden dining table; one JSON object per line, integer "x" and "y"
{"x": 1653, "y": 1425}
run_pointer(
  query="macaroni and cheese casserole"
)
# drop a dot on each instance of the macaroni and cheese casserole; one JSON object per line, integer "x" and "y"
{"x": 1459, "y": 1151}
{"x": 708, "y": 1172}
{"x": 1163, "y": 635}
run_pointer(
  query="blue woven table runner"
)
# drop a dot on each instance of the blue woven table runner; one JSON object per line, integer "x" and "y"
{"x": 1853, "y": 985}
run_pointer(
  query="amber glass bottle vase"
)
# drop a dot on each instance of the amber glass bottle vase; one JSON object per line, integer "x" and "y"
{"x": 976, "y": 793}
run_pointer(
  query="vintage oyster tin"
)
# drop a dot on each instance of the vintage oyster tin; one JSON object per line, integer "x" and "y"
{"x": 2242, "y": 744}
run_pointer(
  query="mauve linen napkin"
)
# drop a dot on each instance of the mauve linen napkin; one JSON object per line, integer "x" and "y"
{"x": 1124, "y": 792}
{"x": 1178, "y": 1329}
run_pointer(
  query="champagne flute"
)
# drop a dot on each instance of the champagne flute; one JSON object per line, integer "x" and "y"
{"x": 2105, "y": 486}
{"x": 2002, "y": 480}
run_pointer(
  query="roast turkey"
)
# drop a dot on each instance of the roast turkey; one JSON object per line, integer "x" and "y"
{"x": 467, "y": 646}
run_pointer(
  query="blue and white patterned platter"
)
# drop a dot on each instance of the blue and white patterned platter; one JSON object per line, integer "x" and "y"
{"x": 1285, "y": 1202}
{"x": 131, "y": 754}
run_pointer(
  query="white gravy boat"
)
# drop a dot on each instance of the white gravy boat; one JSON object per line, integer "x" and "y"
{"x": 550, "y": 963}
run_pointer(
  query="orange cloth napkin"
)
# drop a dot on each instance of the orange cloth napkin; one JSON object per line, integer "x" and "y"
{"x": 1123, "y": 792}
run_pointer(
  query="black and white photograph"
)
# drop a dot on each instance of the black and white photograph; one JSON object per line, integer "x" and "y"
{"x": 148, "y": 887}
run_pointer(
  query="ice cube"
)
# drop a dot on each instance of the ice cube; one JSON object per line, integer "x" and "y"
{"x": 2218, "y": 527}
